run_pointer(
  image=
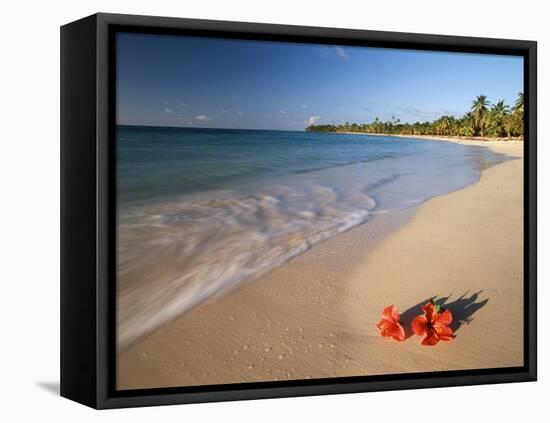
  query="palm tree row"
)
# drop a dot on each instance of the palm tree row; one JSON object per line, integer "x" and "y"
{"x": 483, "y": 120}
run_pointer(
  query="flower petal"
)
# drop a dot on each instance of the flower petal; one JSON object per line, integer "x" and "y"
{"x": 398, "y": 333}
{"x": 390, "y": 313}
{"x": 443, "y": 319}
{"x": 429, "y": 309}
{"x": 431, "y": 339}
{"x": 386, "y": 328}
{"x": 445, "y": 333}
{"x": 419, "y": 325}
{"x": 384, "y": 324}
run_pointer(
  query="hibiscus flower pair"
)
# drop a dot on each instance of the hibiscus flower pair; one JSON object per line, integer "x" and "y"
{"x": 433, "y": 324}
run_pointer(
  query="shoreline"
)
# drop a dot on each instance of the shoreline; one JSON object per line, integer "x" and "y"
{"x": 314, "y": 317}
{"x": 482, "y": 141}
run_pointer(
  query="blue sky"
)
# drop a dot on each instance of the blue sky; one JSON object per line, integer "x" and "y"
{"x": 221, "y": 83}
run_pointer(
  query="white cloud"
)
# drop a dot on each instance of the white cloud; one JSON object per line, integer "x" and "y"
{"x": 312, "y": 120}
{"x": 334, "y": 51}
{"x": 424, "y": 114}
{"x": 341, "y": 53}
{"x": 304, "y": 106}
{"x": 203, "y": 117}
{"x": 167, "y": 110}
{"x": 284, "y": 113}
{"x": 183, "y": 104}
{"x": 240, "y": 113}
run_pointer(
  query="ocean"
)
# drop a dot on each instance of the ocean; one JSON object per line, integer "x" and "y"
{"x": 200, "y": 211}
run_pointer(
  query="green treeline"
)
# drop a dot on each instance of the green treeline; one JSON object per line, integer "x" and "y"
{"x": 483, "y": 120}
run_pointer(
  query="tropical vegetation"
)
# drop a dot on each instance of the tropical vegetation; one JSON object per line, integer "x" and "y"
{"x": 484, "y": 119}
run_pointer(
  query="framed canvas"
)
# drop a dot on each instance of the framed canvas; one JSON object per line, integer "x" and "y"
{"x": 257, "y": 211}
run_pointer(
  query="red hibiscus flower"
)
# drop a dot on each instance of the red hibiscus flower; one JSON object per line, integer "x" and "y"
{"x": 389, "y": 326}
{"x": 434, "y": 324}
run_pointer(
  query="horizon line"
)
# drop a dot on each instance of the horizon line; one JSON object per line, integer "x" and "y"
{"x": 202, "y": 127}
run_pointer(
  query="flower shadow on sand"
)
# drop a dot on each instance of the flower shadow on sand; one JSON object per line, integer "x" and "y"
{"x": 463, "y": 310}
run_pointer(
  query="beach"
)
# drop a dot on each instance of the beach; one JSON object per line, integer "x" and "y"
{"x": 458, "y": 140}
{"x": 315, "y": 315}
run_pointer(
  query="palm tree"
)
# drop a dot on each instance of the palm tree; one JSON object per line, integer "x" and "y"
{"x": 516, "y": 121}
{"x": 518, "y": 106}
{"x": 480, "y": 106}
{"x": 445, "y": 125}
{"x": 501, "y": 108}
{"x": 496, "y": 118}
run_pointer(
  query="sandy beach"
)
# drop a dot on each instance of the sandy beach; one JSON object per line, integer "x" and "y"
{"x": 459, "y": 140}
{"x": 316, "y": 316}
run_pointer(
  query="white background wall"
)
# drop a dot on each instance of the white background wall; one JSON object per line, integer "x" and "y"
{"x": 29, "y": 170}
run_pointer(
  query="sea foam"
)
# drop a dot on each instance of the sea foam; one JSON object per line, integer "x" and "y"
{"x": 173, "y": 256}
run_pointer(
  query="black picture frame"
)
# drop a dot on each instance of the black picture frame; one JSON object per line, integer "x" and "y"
{"x": 88, "y": 215}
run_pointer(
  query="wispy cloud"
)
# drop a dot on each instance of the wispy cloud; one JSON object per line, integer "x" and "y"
{"x": 240, "y": 113}
{"x": 284, "y": 114}
{"x": 170, "y": 111}
{"x": 335, "y": 51}
{"x": 340, "y": 52}
{"x": 203, "y": 117}
{"x": 292, "y": 120}
{"x": 312, "y": 120}
{"x": 304, "y": 106}
{"x": 423, "y": 114}
{"x": 451, "y": 112}
{"x": 183, "y": 104}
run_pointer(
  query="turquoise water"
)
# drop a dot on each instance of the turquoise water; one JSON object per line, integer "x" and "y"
{"x": 156, "y": 162}
{"x": 200, "y": 211}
